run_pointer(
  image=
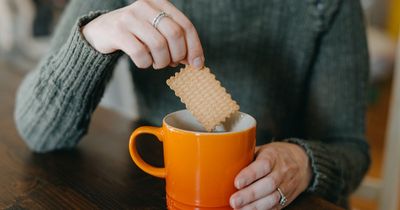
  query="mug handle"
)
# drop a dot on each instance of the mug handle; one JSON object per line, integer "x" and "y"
{"x": 155, "y": 171}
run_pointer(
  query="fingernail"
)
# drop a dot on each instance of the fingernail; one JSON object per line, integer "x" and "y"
{"x": 236, "y": 202}
{"x": 198, "y": 62}
{"x": 155, "y": 67}
{"x": 239, "y": 183}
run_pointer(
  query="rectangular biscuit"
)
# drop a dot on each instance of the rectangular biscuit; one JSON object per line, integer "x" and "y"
{"x": 203, "y": 96}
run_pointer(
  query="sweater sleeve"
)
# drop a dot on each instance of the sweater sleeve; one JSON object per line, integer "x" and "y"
{"x": 335, "y": 107}
{"x": 55, "y": 101}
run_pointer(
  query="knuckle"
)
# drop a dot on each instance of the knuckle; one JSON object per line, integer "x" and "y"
{"x": 285, "y": 168}
{"x": 270, "y": 160}
{"x": 175, "y": 32}
{"x": 137, "y": 52}
{"x": 264, "y": 156}
{"x": 123, "y": 20}
{"x": 266, "y": 165}
{"x": 159, "y": 44}
{"x": 291, "y": 168}
{"x": 180, "y": 56}
{"x": 273, "y": 183}
{"x": 252, "y": 195}
{"x": 188, "y": 26}
{"x": 139, "y": 3}
{"x": 120, "y": 23}
{"x": 252, "y": 174}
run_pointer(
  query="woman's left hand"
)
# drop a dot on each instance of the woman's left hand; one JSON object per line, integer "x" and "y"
{"x": 277, "y": 165}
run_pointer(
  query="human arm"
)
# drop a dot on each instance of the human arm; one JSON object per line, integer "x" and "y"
{"x": 174, "y": 40}
{"x": 55, "y": 101}
{"x": 334, "y": 130}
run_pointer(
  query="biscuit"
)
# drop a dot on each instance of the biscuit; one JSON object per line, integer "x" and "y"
{"x": 203, "y": 96}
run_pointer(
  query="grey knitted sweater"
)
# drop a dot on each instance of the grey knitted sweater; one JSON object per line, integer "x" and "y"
{"x": 300, "y": 67}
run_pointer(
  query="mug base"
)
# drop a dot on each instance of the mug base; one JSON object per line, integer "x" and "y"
{"x": 176, "y": 205}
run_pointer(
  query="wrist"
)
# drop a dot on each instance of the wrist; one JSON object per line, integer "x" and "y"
{"x": 85, "y": 31}
{"x": 95, "y": 34}
{"x": 304, "y": 161}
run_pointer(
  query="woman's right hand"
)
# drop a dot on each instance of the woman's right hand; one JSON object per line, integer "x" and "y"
{"x": 175, "y": 40}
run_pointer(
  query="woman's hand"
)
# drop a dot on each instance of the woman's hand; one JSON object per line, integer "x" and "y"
{"x": 277, "y": 164}
{"x": 130, "y": 29}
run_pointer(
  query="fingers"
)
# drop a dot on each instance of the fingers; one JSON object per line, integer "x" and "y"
{"x": 269, "y": 202}
{"x": 149, "y": 35}
{"x": 135, "y": 50}
{"x": 287, "y": 188}
{"x": 130, "y": 29}
{"x": 195, "y": 55}
{"x": 167, "y": 27}
{"x": 254, "y": 171}
{"x": 174, "y": 41}
{"x": 275, "y": 166}
{"x": 174, "y": 64}
{"x": 156, "y": 43}
{"x": 257, "y": 198}
{"x": 290, "y": 189}
{"x": 261, "y": 188}
{"x": 175, "y": 38}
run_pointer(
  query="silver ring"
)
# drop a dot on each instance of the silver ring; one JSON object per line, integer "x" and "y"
{"x": 283, "y": 199}
{"x": 158, "y": 18}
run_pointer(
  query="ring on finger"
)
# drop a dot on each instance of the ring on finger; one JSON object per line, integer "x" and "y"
{"x": 158, "y": 18}
{"x": 283, "y": 199}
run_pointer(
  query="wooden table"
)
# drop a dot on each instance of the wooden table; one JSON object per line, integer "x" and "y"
{"x": 98, "y": 174}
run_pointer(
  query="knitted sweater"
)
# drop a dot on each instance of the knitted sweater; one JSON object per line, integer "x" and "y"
{"x": 300, "y": 67}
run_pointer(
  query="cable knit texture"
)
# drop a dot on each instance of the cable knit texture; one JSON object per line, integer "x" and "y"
{"x": 299, "y": 67}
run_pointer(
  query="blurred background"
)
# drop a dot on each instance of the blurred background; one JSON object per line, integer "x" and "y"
{"x": 26, "y": 27}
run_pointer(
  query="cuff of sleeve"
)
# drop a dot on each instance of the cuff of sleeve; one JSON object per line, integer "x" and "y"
{"x": 77, "y": 51}
{"x": 326, "y": 179}
{"x": 84, "y": 64}
{"x": 77, "y": 33}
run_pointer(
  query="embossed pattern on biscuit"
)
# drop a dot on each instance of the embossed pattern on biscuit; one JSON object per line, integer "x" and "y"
{"x": 203, "y": 96}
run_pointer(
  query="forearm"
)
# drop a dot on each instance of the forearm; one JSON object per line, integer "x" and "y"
{"x": 55, "y": 101}
{"x": 338, "y": 166}
{"x": 336, "y": 104}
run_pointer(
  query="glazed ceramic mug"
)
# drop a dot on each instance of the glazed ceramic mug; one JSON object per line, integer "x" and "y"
{"x": 200, "y": 166}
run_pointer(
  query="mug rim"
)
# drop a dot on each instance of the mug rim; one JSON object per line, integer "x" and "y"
{"x": 173, "y": 128}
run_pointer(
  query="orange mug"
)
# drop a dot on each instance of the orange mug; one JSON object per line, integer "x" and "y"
{"x": 200, "y": 166}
